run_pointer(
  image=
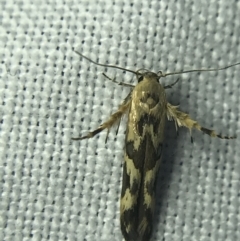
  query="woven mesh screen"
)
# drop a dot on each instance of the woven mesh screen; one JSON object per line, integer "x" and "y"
{"x": 53, "y": 188}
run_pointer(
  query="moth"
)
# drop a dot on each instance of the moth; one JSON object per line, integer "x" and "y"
{"x": 147, "y": 109}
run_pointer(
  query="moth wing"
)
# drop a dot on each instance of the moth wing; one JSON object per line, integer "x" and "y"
{"x": 142, "y": 160}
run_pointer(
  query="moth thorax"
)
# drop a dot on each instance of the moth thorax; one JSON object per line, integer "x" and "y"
{"x": 150, "y": 99}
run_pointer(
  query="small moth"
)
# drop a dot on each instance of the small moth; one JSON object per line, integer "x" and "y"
{"x": 147, "y": 109}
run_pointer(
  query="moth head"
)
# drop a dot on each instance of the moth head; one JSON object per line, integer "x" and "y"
{"x": 146, "y": 74}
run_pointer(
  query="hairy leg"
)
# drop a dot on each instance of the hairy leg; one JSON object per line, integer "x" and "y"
{"x": 113, "y": 119}
{"x": 183, "y": 119}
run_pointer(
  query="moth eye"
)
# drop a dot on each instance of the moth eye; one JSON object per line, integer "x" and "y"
{"x": 140, "y": 78}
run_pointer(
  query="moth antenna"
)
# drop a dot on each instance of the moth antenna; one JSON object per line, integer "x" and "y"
{"x": 199, "y": 70}
{"x": 105, "y": 65}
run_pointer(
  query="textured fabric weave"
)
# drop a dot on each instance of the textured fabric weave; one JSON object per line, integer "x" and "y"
{"x": 52, "y": 188}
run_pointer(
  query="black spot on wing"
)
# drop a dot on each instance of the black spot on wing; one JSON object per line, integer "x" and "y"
{"x": 152, "y": 155}
{"x": 130, "y": 151}
{"x": 151, "y": 186}
{"x": 147, "y": 119}
{"x": 125, "y": 180}
{"x": 146, "y": 155}
{"x": 129, "y": 219}
{"x": 126, "y": 183}
{"x": 137, "y": 156}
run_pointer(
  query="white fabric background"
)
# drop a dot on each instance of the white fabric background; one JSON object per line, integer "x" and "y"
{"x": 55, "y": 189}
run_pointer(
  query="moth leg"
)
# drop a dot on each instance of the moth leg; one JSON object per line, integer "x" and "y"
{"x": 113, "y": 119}
{"x": 118, "y": 125}
{"x": 119, "y": 83}
{"x": 171, "y": 85}
{"x": 183, "y": 119}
